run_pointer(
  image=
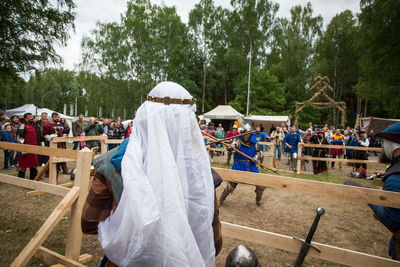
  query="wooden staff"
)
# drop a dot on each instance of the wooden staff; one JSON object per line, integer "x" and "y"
{"x": 240, "y": 152}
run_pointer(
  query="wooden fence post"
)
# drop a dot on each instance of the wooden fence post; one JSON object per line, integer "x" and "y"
{"x": 103, "y": 144}
{"x": 74, "y": 236}
{"x": 299, "y": 155}
{"x": 52, "y": 166}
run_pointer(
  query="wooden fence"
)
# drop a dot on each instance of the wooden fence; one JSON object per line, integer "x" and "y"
{"x": 73, "y": 199}
{"x": 337, "y": 191}
{"x": 300, "y": 158}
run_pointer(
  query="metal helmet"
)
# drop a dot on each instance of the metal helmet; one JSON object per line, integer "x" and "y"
{"x": 73, "y": 172}
{"x": 242, "y": 256}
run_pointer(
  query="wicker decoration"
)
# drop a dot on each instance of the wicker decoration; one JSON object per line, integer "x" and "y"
{"x": 321, "y": 86}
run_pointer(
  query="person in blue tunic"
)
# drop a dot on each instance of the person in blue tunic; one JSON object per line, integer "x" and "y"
{"x": 261, "y": 137}
{"x": 292, "y": 141}
{"x": 390, "y": 217}
{"x": 248, "y": 144}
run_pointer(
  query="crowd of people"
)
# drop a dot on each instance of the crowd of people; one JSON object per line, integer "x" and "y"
{"x": 39, "y": 130}
{"x": 285, "y": 142}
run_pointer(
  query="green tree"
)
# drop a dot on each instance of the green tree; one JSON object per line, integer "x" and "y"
{"x": 267, "y": 94}
{"x": 292, "y": 51}
{"x": 29, "y": 30}
{"x": 337, "y": 57}
{"x": 380, "y": 62}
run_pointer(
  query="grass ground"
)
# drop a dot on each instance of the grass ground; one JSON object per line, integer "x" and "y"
{"x": 345, "y": 224}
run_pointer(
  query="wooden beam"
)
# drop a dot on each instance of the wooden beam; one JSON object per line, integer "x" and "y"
{"x": 38, "y": 192}
{"x": 74, "y": 236}
{"x": 40, "y": 150}
{"x": 45, "y": 187}
{"x": 342, "y": 160}
{"x": 50, "y": 257}
{"x": 42, "y": 171}
{"x": 58, "y": 160}
{"x": 30, "y": 249}
{"x": 338, "y": 191}
{"x": 114, "y": 141}
{"x": 361, "y": 148}
{"x": 329, "y": 253}
{"x": 77, "y": 138}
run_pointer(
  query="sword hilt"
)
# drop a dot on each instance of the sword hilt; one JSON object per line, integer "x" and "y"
{"x": 306, "y": 244}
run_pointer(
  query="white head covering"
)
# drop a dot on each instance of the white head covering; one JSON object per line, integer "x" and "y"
{"x": 165, "y": 214}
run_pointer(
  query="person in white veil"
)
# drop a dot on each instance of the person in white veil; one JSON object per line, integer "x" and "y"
{"x": 166, "y": 214}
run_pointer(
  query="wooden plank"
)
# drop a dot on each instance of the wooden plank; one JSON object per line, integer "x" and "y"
{"x": 300, "y": 151}
{"x": 30, "y": 249}
{"x": 42, "y": 171}
{"x": 85, "y": 258}
{"x": 342, "y": 160}
{"x": 38, "y": 192}
{"x": 329, "y": 253}
{"x": 50, "y": 257}
{"x": 103, "y": 144}
{"x": 57, "y": 160}
{"x": 74, "y": 236}
{"x": 361, "y": 148}
{"x": 77, "y": 138}
{"x": 338, "y": 191}
{"x": 40, "y": 150}
{"x": 114, "y": 141}
{"x": 45, "y": 187}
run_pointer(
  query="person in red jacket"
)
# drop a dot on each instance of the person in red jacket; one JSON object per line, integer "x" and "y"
{"x": 29, "y": 134}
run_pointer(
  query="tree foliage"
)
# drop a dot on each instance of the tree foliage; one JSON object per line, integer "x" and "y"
{"x": 121, "y": 61}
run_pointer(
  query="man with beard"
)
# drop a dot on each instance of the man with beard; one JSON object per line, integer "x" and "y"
{"x": 56, "y": 129}
{"x": 29, "y": 134}
{"x": 248, "y": 145}
{"x": 390, "y": 217}
{"x": 319, "y": 139}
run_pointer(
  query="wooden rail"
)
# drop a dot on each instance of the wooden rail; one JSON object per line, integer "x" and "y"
{"x": 300, "y": 158}
{"x": 338, "y": 191}
{"x": 73, "y": 199}
{"x": 329, "y": 253}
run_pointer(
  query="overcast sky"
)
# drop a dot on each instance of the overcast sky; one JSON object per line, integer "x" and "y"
{"x": 91, "y": 11}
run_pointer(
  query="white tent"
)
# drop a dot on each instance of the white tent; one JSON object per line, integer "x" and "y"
{"x": 223, "y": 112}
{"x": 20, "y": 111}
{"x": 268, "y": 121}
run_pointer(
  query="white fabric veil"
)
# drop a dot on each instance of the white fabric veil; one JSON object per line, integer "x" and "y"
{"x": 164, "y": 217}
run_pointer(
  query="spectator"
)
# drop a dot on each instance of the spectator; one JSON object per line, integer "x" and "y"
{"x": 277, "y": 138}
{"x": 337, "y": 139}
{"x": 210, "y": 131}
{"x": 119, "y": 130}
{"x": 6, "y": 136}
{"x": 106, "y": 125}
{"x": 42, "y": 121}
{"x": 232, "y": 133}
{"x": 261, "y": 128}
{"x": 112, "y": 134}
{"x": 93, "y": 128}
{"x": 319, "y": 139}
{"x": 29, "y": 134}
{"x": 128, "y": 130}
{"x": 56, "y": 128}
{"x": 220, "y": 129}
{"x": 261, "y": 137}
{"x": 5, "y": 120}
{"x": 363, "y": 155}
{"x": 14, "y": 127}
{"x": 292, "y": 140}
{"x": 77, "y": 130}
{"x": 272, "y": 129}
